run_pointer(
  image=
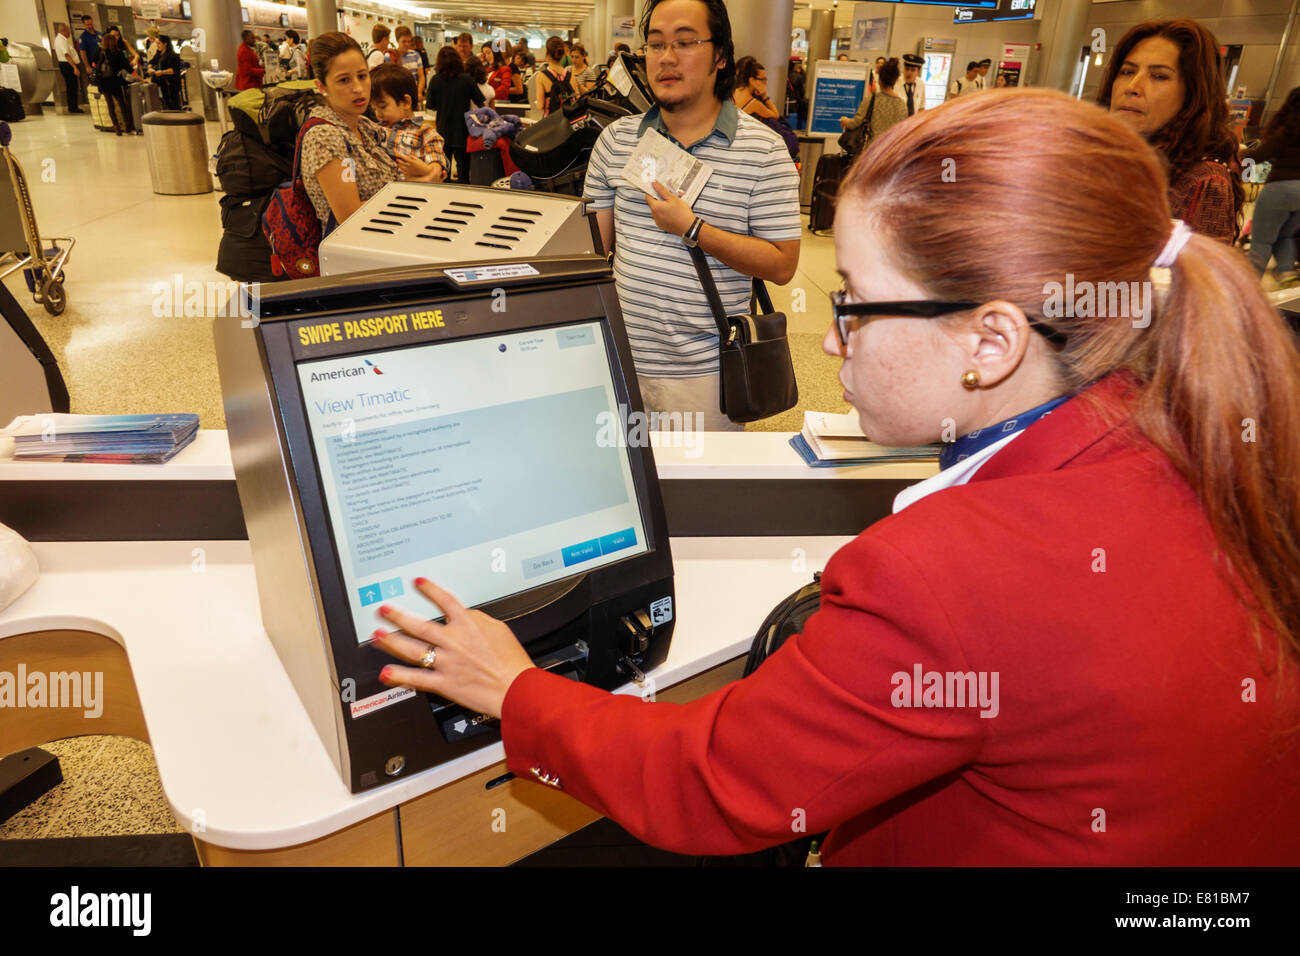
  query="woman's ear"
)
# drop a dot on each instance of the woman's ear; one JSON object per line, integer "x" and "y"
{"x": 996, "y": 337}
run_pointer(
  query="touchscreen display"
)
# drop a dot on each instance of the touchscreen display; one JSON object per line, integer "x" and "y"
{"x": 483, "y": 464}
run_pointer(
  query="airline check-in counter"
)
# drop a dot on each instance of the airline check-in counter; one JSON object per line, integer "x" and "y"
{"x": 147, "y": 576}
{"x": 384, "y": 425}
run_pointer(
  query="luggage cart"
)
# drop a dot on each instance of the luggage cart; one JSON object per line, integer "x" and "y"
{"x": 20, "y": 238}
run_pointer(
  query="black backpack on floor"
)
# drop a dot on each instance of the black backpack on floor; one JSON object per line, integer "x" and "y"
{"x": 11, "y": 106}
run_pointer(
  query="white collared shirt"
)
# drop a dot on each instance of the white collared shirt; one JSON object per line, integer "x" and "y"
{"x": 62, "y": 48}
{"x": 953, "y": 475}
{"x": 918, "y": 93}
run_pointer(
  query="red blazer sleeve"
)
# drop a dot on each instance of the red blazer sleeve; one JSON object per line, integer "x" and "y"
{"x": 810, "y": 738}
{"x": 502, "y": 85}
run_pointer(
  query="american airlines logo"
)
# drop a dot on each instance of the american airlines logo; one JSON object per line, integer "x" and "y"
{"x": 347, "y": 372}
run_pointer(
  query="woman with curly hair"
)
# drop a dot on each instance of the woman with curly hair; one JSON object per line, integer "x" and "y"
{"x": 1164, "y": 81}
{"x": 1277, "y": 210}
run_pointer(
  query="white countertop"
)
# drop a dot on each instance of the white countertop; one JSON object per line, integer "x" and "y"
{"x": 234, "y": 746}
{"x": 715, "y": 455}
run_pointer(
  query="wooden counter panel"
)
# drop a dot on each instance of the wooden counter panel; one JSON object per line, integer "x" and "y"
{"x": 59, "y": 650}
{"x": 372, "y": 842}
{"x": 465, "y": 824}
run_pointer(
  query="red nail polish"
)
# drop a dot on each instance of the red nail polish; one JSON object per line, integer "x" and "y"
{"x": 384, "y": 675}
{"x": 420, "y": 581}
{"x": 377, "y": 635}
{"x": 385, "y": 610}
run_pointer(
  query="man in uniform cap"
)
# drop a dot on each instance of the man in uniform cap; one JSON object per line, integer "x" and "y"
{"x": 913, "y": 88}
{"x": 984, "y": 65}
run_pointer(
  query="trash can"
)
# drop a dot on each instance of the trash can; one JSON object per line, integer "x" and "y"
{"x": 178, "y": 152}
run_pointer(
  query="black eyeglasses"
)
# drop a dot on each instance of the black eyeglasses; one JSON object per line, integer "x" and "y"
{"x": 845, "y": 312}
{"x": 680, "y": 47}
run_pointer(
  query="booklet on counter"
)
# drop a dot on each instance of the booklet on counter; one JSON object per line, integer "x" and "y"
{"x": 828, "y": 440}
{"x": 125, "y": 439}
{"x": 657, "y": 158}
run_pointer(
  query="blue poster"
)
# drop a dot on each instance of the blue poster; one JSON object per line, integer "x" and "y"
{"x": 834, "y": 97}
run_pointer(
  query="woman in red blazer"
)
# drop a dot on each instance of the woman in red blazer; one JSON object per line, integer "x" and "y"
{"x": 501, "y": 77}
{"x": 1078, "y": 642}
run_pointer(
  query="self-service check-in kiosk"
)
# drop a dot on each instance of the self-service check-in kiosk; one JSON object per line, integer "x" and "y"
{"x": 467, "y": 424}
{"x": 414, "y": 223}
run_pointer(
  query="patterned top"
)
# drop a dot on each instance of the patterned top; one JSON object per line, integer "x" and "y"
{"x": 753, "y": 191}
{"x": 1203, "y": 198}
{"x": 889, "y": 109}
{"x": 412, "y": 139}
{"x": 373, "y": 166}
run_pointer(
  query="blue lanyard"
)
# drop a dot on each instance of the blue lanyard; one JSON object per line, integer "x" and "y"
{"x": 981, "y": 438}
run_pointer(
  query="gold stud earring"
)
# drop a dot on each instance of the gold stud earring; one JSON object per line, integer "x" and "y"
{"x": 970, "y": 379}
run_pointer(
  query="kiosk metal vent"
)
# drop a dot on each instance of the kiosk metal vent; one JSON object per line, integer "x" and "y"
{"x": 408, "y": 223}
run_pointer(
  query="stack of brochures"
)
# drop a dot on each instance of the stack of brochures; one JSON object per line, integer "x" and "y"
{"x": 828, "y": 440}
{"x": 126, "y": 439}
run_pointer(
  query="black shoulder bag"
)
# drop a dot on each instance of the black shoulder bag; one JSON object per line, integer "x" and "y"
{"x": 757, "y": 374}
{"x": 853, "y": 141}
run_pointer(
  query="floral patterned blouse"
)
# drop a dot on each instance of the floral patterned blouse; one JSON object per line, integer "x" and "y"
{"x": 373, "y": 165}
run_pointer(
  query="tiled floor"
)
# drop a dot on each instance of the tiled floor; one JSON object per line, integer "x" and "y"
{"x": 117, "y": 356}
{"x": 110, "y": 788}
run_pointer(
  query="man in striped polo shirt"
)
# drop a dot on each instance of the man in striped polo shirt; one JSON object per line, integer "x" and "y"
{"x": 746, "y": 220}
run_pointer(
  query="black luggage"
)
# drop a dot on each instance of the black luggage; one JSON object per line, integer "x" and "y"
{"x": 561, "y": 144}
{"x": 11, "y": 105}
{"x": 284, "y": 109}
{"x": 246, "y": 167}
{"x": 143, "y": 98}
{"x": 485, "y": 166}
{"x": 826, "y": 183}
{"x": 244, "y": 254}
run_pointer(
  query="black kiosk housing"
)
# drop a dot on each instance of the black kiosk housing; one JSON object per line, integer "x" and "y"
{"x": 603, "y": 624}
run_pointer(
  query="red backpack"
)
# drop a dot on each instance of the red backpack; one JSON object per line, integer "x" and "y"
{"x": 290, "y": 223}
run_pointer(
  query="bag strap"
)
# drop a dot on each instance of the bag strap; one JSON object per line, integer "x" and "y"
{"x": 297, "y": 150}
{"x": 764, "y": 300}
{"x": 871, "y": 106}
{"x": 711, "y": 293}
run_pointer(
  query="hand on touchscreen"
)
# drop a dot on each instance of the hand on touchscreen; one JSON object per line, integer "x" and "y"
{"x": 475, "y": 660}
